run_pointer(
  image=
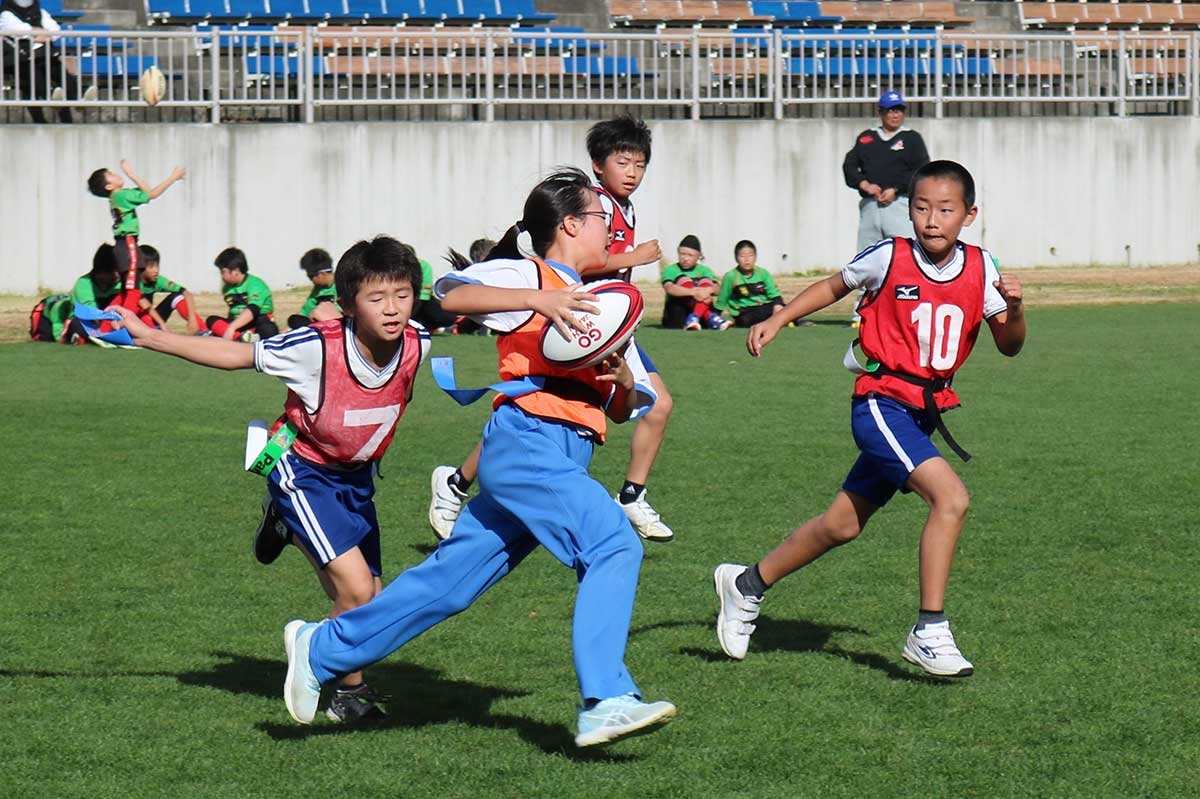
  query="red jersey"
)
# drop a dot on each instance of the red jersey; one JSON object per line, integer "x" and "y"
{"x": 621, "y": 230}
{"x": 352, "y": 424}
{"x": 921, "y": 327}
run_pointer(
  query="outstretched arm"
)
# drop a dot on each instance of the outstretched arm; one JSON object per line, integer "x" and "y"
{"x": 209, "y": 351}
{"x": 1008, "y": 327}
{"x": 557, "y": 306}
{"x": 178, "y": 173}
{"x": 817, "y": 296}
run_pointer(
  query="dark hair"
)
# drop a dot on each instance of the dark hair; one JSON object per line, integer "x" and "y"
{"x": 97, "y": 181}
{"x": 480, "y": 249}
{"x": 621, "y": 135}
{"x": 316, "y": 260}
{"x": 381, "y": 258}
{"x": 743, "y": 244}
{"x": 232, "y": 258}
{"x": 104, "y": 267}
{"x": 946, "y": 169}
{"x": 565, "y": 193}
{"x": 149, "y": 255}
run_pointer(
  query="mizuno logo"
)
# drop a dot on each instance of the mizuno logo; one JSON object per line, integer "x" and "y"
{"x": 927, "y": 652}
{"x": 618, "y": 235}
{"x": 908, "y": 292}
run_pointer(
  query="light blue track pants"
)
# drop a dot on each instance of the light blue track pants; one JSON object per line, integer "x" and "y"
{"x": 534, "y": 488}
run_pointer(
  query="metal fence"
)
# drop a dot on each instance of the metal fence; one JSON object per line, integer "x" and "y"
{"x": 311, "y": 73}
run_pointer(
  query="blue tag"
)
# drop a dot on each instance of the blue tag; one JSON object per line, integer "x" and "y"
{"x": 443, "y": 375}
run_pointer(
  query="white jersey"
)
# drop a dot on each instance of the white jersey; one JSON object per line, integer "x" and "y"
{"x": 297, "y": 357}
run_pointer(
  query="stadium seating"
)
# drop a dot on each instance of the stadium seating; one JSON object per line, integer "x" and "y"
{"x": 1086, "y": 15}
{"x": 692, "y": 12}
{"x": 896, "y": 13}
{"x": 56, "y": 10}
{"x": 318, "y": 11}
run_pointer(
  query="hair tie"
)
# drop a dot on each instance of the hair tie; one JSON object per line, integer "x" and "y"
{"x": 520, "y": 225}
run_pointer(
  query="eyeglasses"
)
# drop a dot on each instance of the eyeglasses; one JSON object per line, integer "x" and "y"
{"x": 607, "y": 217}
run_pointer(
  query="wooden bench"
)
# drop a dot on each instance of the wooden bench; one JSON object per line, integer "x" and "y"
{"x": 1108, "y": 14}
{"x": 896, "y": 13}
{"x": 695, "y": 11}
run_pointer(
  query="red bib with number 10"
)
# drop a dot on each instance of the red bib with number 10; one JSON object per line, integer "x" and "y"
{"x": 354, "y": 424}
{"x": 606, "y": 332}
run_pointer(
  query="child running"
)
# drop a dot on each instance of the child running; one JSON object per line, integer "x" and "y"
{"x": 349, "y": 381}
{"x": 925, "y": 302}
{"x": 620, "y": 152}
{"x": 534, "y": 484}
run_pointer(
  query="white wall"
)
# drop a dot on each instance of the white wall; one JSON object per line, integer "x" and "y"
{"x": 1087, "y": 188}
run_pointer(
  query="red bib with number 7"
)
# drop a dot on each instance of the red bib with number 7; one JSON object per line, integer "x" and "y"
{"x": 921, "y": 326}
{"x": 353, "y": 424}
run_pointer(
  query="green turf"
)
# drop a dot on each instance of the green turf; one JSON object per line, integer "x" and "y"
{"x": 141, "y": 652}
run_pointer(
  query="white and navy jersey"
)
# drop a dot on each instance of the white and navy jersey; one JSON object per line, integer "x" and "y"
{"x": 298, "y": 358}
{"x": 869, "y": 268}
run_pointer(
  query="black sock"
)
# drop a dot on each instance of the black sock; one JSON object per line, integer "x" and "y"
{"x": 925, "y": 617}
{"x": 750, "y": 582}
{"x": 351, "y": 689}
{"x": 459, "y": 482}
{"x": 630, "y": 492}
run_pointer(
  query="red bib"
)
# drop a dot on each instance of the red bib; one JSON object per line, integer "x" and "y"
{"x": 353, "y": 424}
{"x": 920, "y": 326}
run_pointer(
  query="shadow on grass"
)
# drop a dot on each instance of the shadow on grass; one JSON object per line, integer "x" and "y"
{"x": 789, "y": 635}
{"x": 425, "y": 550}
{"x": 419, "y": 697}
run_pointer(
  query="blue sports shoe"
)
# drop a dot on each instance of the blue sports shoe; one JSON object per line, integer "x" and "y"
{"x": 621, "y": 717}
{"x": 301, "y": 691}
{"x": 692, "y": 322}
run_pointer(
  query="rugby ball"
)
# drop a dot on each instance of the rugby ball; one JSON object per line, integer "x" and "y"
{"x": 608, "y": 331}
{"x": 154, "y": 85}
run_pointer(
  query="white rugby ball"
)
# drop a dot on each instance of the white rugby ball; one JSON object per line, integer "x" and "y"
{"x": 608, "y": 331}
{"x": 153, "y": 85}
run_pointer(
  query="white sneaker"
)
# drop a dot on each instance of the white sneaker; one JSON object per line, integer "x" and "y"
{"x": 645, "y": 519}
{"x": 933, "y": 649}
{"x": 446, "y": 503}
{"x": 738, "y": 611}
{"x": 301, "y": 691}
{"x": 620, "y": 717}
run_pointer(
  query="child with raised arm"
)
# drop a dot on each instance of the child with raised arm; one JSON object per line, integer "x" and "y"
{"x": 534, "y": 482}
{"x": 123, "y": 204}
{"x": 349, "y": 381}
{"x": 926, "y": 300}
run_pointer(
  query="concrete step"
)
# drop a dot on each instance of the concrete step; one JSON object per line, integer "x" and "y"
{"x": 991, "y": 16}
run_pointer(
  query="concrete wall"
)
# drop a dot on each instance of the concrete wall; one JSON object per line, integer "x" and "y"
{"x": 1052, "y": 191}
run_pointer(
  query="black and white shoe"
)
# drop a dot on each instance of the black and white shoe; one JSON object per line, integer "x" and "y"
{"x": 271, "y": 536}
{"x": 360, "y": 705}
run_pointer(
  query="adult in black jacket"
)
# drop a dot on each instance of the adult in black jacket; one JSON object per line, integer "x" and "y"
{"x": 879, "y": 167}
{"x": 34, "y": 69}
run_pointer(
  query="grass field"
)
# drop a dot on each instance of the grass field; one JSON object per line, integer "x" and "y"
{"x": 141, "y": 651}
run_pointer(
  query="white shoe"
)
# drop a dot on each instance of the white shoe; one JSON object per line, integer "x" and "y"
{"x": 933, "y": 649}
{"x": 301, "y": 691}
{"x": 620, "y": 717}
{"x": 738, "y": 611}
{"x": 645, "y": 519}
{"x": 446, "y": 503}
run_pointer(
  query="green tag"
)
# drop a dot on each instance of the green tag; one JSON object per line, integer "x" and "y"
{"x": 279, "y": 443}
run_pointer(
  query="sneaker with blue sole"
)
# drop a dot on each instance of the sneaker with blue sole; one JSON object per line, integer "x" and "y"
{"x": 301, "y": 690}
{"x": 618, "y": 717}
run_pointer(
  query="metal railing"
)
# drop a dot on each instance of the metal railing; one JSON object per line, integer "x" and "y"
{"x": 303, "y": 70}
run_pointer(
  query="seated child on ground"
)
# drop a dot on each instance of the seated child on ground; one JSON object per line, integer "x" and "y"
{"x": 150, "y": 282}
{"x": 748, "y": 292}
{"x": 322, "y": 302}
{"x": 691, "y": 289}
{"x": 251, "y": 307}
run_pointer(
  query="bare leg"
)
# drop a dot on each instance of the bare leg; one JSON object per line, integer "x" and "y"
{"x": 470, "y": 467}
{"x": 936, "y": 483}
{"x": 348, "y": 581}
{"x": 648, "y": 435}
{"x": 845, "y": 519}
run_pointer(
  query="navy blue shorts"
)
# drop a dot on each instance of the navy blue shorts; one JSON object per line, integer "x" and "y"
{"x": 893, "y": 440}
{"x": 328, "y": 511}
{"x": 649, "y": 364}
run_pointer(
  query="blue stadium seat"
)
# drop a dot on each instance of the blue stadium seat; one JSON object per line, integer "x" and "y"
{"x": 793, "y": 11}
{"x": 370, "y": 9}
{"x": 480, "y": 9}
{"x": 168, "y": 8}
{"x": 280, "y": 66}
{"x": 245, "y": 38}
{"x": 608, "y": 66}
{"x": 91, "y": 42}
{"x": 326, "y": 9}
{"x": 442, "y": 9}
{"x": 401, "y": 9}
{"x": 818, "y": 39}
{"x": 115, "y": 66}
{"x": 887, "y": 67}
{"x": 203, "y": 9}
{"x": 284, "y": 9}
{"x": 521, "y": 10}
